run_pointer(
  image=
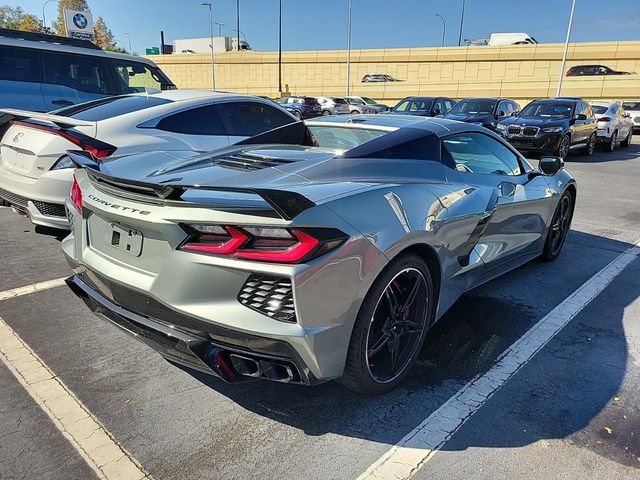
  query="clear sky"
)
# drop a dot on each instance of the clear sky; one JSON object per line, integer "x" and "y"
{"x": 322, "y": 24}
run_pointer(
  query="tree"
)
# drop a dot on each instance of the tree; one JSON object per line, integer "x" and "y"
{"x": 31, "y": 23}
{"x": 58, "y": 23}
{"x": 104, "y": 36}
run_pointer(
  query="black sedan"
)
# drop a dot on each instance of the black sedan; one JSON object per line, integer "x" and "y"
{"x": 486, "y": 112}
{"x": 422, "y": 106}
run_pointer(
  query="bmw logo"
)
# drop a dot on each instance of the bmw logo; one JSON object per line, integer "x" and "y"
{"x": 80, "y": 21}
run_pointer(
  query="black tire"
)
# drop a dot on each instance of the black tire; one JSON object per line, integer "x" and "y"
{"x": 627, "y": 141}
{"x": 563, "y": 147}
{"x": 375, "y": 370}
{"x": 590, "y": 147}
{"x": 611, "y": 144}
{"x": 354, "y": 112}
{"x": 559, "y": 228}
{"x": 326, "y": 112}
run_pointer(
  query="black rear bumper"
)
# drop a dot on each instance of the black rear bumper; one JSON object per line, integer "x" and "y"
{"x": 192, "y": 343}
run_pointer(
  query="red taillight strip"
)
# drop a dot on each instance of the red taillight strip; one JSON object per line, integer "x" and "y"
{"x": 306, "y": 244}
{"x": 100, "y": 150}
{"x": 238, "y": 238}
{"x": 76, "y": 195}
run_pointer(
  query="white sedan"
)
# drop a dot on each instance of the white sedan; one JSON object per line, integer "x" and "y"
{"x": 614, "y": 124}
{"x": 36, "y": 175}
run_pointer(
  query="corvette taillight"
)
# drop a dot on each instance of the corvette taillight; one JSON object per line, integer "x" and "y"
{"x": 76, "y": 195}
{"x": 264, "y": 244}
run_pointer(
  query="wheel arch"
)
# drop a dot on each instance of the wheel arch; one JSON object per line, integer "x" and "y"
{"x": 430, "y": 257}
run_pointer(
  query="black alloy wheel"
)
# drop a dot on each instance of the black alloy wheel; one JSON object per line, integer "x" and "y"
{"x": 397, "y": 325}
{"x": 627, "y": 141}
{"x": 611, "y": 146}
{"x": 564, "y": 146}
{"x": 326, "y": 112}
{"x": 297, "y": 114}
{"x": 591, "y": 145}
{"x": 391, "y": 327}
{"x": 560, "y": 226}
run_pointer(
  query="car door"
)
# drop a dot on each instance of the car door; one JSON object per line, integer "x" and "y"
{"x": 580, "y": 126}
{"x": 69, "y": 79}
{"x": 518, "y": 206}
{"x": 503, "y": 110}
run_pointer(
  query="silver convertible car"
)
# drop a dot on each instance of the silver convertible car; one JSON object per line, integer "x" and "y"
{"x": 310, "y": 252}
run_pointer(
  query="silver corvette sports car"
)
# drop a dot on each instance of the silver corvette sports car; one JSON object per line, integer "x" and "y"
{"x": 309, "y": 253}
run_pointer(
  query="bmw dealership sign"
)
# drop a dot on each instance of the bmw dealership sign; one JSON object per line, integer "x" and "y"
{"x": 79, "y": 25}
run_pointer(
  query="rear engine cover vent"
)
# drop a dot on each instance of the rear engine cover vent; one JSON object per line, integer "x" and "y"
{"x": 245, "y": 161}
{"x": 271, "y": 296}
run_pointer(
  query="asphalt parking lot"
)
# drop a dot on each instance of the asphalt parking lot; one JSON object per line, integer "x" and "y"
{"x": 571, "y": 411}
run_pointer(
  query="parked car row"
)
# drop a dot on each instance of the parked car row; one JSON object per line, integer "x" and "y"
{"x": 553, "y": 126}
{"x": 304, "y": 107}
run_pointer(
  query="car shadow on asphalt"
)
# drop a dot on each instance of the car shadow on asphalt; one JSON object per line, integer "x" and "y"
{"x": 619, "y": 154}
{"x": 464, "y": 344}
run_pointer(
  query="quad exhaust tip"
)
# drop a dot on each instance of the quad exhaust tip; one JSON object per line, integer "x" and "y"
{"x": 250, "y": 367}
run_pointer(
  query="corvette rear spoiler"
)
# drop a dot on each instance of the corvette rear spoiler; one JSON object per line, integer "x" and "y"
{"x": 60, "y": 121}
{"x": 285, "y": 204}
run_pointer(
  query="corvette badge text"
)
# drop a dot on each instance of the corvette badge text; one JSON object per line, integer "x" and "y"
{"x": 118, "y": 207}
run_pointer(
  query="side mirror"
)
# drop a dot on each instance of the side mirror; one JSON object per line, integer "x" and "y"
{"x": 551, "y": 165}
{"x": 502, "y": 114}
{"x": 581, "y": 116}
{"x": 436, "y": 111}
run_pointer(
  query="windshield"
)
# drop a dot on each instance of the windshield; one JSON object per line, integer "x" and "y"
{"x": 110, "y": 107}
{"x": 474, "y": 107}
{"x": 342, "y": 137}
{"x": 599, "y": 109}
{"x": 631, "y": 105}
{"x": 413, "y": 105}
{"x": 370, "y": 101}
{"x": 339, "y": 101}
{"x": 354, "y": 101}
{"x": 547, "y": 110}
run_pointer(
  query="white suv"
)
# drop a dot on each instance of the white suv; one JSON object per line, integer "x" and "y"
{"x": 44, "y": 72}
{"x": 36, "y": 174}
{"x": 614, "y": 124}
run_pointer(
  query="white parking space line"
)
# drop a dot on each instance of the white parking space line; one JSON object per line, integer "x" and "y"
{"x": 36, "y": 287}
{"x": 87, "y": 435}
{"x": 404, "y": 459}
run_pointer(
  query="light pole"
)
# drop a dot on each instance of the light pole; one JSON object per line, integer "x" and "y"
{"x": 566, "y": 48}
{"x": 238, "y": 23}
{"x": 444, "y": 27}
{"x": 220, "y": 25}
{"x": 213, "y": 69}
{"x": 44, "y": 21}
{"x": 349, "y": 51}
{"x": 280, "y": 48}
{"x": 130, "y": 49}
{"x": 461, "y": 23}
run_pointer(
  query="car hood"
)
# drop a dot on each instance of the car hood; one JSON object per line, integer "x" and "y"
{"x": 469, "y": 118}
{"x": 534, "y": 122}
